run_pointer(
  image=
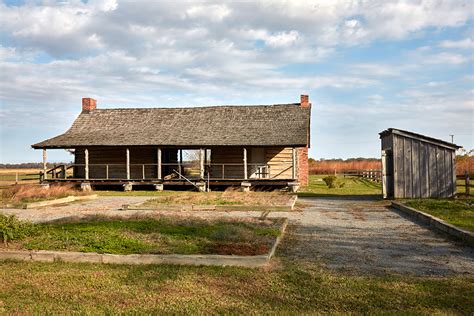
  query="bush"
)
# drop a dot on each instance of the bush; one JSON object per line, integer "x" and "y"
{"x": 11, "y": 228}
{"x": 330, "y": 181}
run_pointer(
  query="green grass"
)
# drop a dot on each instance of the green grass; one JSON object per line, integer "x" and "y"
{"x": 352, "y": 186}
{"x": 165, "y": 235}
{"x": 289, "y": 288}
{"x": 458, "y": 212}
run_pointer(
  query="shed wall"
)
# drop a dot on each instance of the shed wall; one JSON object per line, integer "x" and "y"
{"x": 420, "y": 169}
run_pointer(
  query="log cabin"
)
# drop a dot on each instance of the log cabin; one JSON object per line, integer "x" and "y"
{"x": 246, "y": 146}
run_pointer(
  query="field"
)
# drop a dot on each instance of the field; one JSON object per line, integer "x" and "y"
{"x": 458, "y": 212}
{"x": 350, "y": 186}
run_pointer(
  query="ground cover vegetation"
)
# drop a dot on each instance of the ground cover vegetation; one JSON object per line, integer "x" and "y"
{"x": 140, "y": 235}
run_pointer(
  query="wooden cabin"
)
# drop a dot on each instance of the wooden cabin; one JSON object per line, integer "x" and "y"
{"x": 417, "y": 166}
{"x": 260, "y": 145}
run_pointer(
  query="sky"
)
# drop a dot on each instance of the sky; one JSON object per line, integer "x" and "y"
{"x": 366, "y": 65}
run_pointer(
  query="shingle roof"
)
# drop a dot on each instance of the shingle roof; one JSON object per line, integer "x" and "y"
{"x": 260, "y": 125}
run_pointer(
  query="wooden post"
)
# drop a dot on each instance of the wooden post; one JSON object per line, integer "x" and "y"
{"x": 468, "y": 184}
{"x": 245, "y": 164}
{"x": 180, "y": 162}
{"x": 143, "y": 172}
{"x": 201, "y": 163}
{"x": 293, "y": 173}
{"x": 16, "y": 177}
{"x": 107, "y": 172}
{"x": 128, "y": 163}
{"x": 44, "y": 164}
{"x": 158, "y": 167}
{"x": 223, "y": 171}
{"x": 86, "y": 167}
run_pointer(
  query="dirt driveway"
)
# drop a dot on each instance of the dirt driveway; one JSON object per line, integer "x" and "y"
{"x": 355, "y": 235}
{"x": 369, "y": 237}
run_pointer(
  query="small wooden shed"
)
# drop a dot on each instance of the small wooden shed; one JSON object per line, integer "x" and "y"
{"x": 417, "y": 166}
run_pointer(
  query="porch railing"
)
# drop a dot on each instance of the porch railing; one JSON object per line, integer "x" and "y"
{"x": 213, "y": 171}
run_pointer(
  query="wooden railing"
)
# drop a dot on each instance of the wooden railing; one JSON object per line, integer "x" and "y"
{"x": 191, "y": 170}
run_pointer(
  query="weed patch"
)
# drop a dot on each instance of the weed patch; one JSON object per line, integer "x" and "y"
{"x": 164, "y": 235}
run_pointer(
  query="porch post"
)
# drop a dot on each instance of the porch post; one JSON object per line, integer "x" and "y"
{"x": 245, "y": 163}
{"x": 86, "y": 167}
{"x": 44, "y": 164}
{"x": 158, "y": 170}
{"x": 180, "y": 162}
{"x": 201, "y": 163}
{"x": 128, "y": 163}
{"x": 293, "y": 174}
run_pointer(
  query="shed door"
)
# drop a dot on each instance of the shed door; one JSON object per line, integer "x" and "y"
{"x": 387, "y": 174}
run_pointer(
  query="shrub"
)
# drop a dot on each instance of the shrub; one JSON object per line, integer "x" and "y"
{"x": 330, "y": 181}
{"x": 11, "y": 228}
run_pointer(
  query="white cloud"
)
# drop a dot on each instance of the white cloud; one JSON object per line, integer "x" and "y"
{"x": 466, "y": 43}
{"x": 446, "y": 58}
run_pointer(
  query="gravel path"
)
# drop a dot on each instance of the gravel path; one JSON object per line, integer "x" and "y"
{"x": 370, "y": 237}
{"x": 356, "y": 235}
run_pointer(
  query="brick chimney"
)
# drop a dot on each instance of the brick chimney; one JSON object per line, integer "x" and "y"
{"x": 305, "y": 101}
{"x": 88, "y": 104}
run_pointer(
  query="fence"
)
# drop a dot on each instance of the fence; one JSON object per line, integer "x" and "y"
{"x": 463, "y": 184}
{"x": 372, "y": 174}
{"x": 13, "y": 177}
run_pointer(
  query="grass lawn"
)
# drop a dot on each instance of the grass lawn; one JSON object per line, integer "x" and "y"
{"x": 459, "y": 212}
{"x": 351, "y": 186}
{"x": 164, "y": 235}
{"x": 286, "y": 288}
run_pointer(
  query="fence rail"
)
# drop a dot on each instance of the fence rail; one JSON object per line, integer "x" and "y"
{"x": 465, "y": 180}
{"x": 372, "y": 174}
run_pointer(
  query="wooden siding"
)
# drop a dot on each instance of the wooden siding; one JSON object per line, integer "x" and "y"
{"x": 420, "y": 169}
{"x": 280, "y": 161}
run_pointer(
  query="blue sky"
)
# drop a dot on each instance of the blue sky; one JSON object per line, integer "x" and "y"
{"x": 367, "y": 65}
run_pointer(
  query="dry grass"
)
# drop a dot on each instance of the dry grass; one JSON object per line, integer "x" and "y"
{"x": 228, "y": 197}
{"x": 17, "y": 194}
{"x": 19, "y": 171}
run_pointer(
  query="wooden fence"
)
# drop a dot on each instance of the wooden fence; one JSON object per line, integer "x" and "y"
{"x": 372, "y": 174}
{"x": 463, "y": 184}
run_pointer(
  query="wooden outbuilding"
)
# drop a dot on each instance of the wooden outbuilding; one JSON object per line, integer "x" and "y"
{"x": 201, "y": 146}
{"x": 417, "y": 166}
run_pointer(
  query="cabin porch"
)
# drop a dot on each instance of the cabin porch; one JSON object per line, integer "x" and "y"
{"x": 175, "y": 166}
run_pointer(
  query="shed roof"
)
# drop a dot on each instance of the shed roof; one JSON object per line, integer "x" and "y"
{"x": 420, "y": 137}
{"x": 259, "y": 125}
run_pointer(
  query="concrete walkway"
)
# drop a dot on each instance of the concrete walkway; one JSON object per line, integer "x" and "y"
{"x": 356, "y": 235}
